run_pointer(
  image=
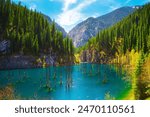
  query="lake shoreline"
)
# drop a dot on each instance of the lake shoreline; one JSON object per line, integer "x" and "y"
{"x": 17, "y": 62}
{"x": 28, "y": 62}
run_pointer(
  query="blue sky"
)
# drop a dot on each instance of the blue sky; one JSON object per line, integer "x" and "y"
{"x": 69, "y": 13}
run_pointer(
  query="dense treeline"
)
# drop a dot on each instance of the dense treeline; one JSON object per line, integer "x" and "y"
{"x": 132, "y": 33}
{"x": 127, "y": 43}
{"x": 29, "y": 32}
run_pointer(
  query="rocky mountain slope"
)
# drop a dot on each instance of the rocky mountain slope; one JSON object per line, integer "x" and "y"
{"x": 90, "y": 27}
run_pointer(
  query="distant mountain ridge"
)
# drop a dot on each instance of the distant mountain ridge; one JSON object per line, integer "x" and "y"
{"x": 58, "y": 27}
{"x": 90, "y": 27}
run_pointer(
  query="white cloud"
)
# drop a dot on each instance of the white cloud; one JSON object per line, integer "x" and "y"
{"x": 67, "y": 3}
{"x": 70, "y": 17}
{"x": 113, "y": 7}
{"x": 33, "y": 6}
{"x": 95, "y": 15}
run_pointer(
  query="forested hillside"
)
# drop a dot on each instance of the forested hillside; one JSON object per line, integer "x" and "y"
{"x": 25, "y": 32}
{"x": 58, "y": 27}
{"x": 126, "y": 44}
{"x": 29, "y": 33}
{"x": 132, "y": 33}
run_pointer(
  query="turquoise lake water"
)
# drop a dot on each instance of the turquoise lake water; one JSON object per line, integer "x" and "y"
{"x": 79, "y": 82}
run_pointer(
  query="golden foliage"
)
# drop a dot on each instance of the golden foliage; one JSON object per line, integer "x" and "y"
{"x": 7, "y": 93}
{"x": 144, "y": 78}
{"x": 77, "y": 58}
{"x": 130, "y": 63}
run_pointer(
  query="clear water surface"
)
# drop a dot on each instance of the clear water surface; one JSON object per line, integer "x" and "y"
{"x": 78, "y": 82}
